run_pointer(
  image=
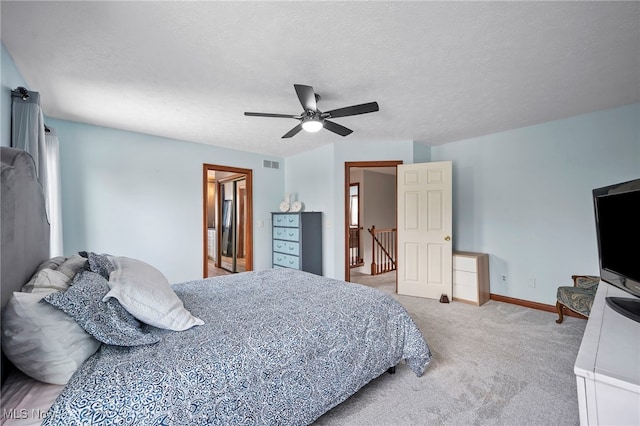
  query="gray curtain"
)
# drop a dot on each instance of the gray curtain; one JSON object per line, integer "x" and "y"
{"x": 28, "y": 134}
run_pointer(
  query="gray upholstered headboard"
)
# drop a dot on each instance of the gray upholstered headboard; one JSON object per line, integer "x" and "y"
{"x": 25, "y": 227}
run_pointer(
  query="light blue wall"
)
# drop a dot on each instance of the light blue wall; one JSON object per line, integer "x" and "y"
{"x": 309, "y": 175}
{"x": 524, "y": 196}
{"x": 318, "y": 177}
{"x": 137, "y": 195}
{"x": 11, "y": 78}
{"x": 421, "y": 153}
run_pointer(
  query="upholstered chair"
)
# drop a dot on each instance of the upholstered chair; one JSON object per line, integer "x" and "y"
{"x": 578, "y": 297}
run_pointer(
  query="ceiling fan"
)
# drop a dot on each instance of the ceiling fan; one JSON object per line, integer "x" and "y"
{"x": 312, "y": 119}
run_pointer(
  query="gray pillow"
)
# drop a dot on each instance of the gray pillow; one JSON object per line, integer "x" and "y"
{"x": 107, "y": 321}
{"x": 72, "y": 265}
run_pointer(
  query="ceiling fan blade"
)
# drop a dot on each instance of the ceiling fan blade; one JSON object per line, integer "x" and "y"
{"x": 293, "y": 131}
{"x": 352, "y": 110}
{"x": 337, "y": 128}
{"x": 265, "y": 114}
{"x": 307, "y": 97}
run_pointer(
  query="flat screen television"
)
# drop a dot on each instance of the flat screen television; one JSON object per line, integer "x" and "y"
{"x": 617, "y": 212}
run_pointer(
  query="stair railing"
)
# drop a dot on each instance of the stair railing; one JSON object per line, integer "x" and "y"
{"x": 383, "y": 251}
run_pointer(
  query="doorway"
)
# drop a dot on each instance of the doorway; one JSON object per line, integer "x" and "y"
{"x": 228, "y": 219}
{"x": 363, "y": 204}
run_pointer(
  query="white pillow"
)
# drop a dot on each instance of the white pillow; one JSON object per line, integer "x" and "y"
{"x": 42, "y": 341}
{"x": 147, "y": 295}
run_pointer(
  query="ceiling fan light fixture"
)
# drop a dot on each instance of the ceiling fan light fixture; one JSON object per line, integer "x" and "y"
{"x": 312, "y": 124}
{"x": 312, "y": 119}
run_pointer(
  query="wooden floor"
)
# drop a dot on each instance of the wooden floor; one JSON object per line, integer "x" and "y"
{"x": 227, "y": 263}
{"x": 216, "y": 272}
{"x": 226, "y": 267}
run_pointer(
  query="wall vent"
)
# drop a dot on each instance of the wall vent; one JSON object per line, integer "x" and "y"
{"x": 267, "y": 164}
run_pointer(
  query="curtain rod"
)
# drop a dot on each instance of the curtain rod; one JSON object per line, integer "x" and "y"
{"x": 20, "y": 92}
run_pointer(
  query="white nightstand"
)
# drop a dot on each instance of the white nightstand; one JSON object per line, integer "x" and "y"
{"x": 471, "y": 277}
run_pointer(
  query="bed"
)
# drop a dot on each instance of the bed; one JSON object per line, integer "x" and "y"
{"x": 266, "y": 347}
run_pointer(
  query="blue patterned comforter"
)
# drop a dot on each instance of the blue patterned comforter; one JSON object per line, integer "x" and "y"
{"x": 277, "y": 347}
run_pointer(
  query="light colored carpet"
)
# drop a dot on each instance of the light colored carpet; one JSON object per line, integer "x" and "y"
{"x": 498, "y": 364}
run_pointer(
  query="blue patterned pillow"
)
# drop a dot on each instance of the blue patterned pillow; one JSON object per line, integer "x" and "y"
{"x": 100, "y": 264}
{"x": 107, "y": 321}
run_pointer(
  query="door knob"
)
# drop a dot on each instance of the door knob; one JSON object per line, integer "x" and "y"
{"x": 447, "y": 238}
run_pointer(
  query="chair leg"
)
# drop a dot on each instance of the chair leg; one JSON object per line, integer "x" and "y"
{"x": 559, "y": 308}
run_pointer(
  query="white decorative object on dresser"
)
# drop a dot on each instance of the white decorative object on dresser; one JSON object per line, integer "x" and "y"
{"x": 297, "y": 241}
{"x": 471, "y": 277}
{"x": 286, "y": 204}
{"x": 607, "y": 368}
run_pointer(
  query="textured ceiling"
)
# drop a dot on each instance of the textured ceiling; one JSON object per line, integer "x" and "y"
{"x": 440, "y": 71}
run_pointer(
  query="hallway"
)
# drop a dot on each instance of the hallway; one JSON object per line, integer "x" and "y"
{"x": 385, "y": 282}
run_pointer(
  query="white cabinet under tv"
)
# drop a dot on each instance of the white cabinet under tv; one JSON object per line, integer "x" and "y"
{"x": 607, "y": 368}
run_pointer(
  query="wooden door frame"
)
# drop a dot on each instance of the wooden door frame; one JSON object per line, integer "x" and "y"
{"x": 347, "y": 183}
{"x": 249, "y": 219}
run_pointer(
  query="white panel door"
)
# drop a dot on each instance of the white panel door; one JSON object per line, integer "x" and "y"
{"x": 424, "y": 230}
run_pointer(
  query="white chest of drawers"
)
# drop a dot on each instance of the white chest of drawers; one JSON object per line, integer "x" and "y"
{"x": 471, "y": 277}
